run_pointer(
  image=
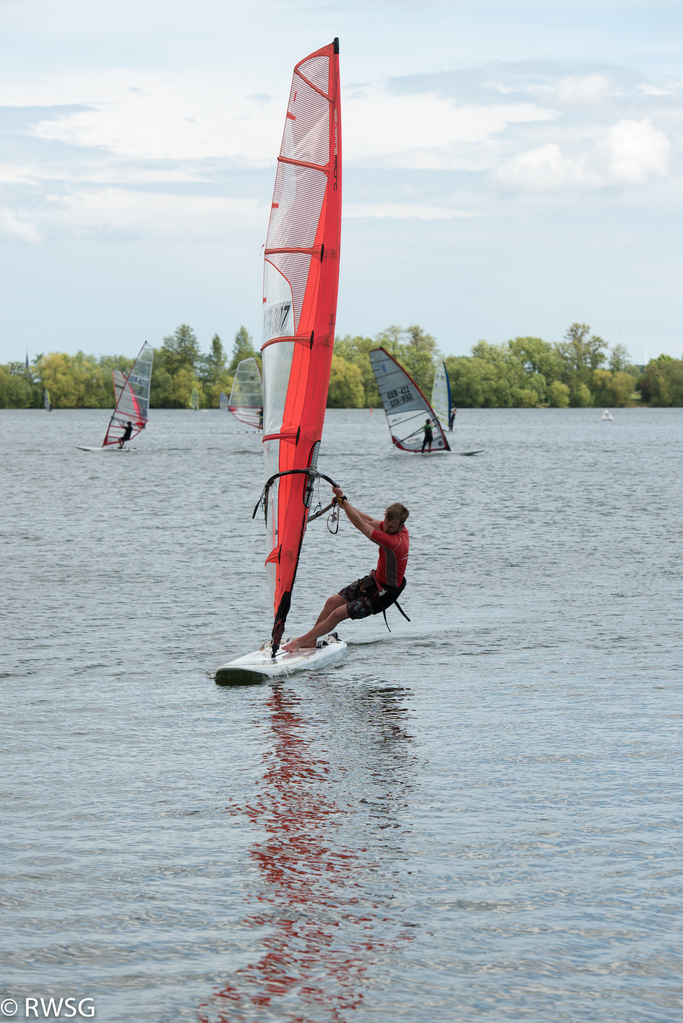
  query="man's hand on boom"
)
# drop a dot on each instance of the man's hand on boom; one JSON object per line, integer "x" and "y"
{"x": 364, "y": 523}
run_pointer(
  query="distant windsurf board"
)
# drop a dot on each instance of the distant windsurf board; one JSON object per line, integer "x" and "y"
{"x": 111, "y": 447}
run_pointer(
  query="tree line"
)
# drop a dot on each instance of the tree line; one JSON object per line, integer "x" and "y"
{"x": 85, "y": 381}
{"x": 525, "y": 372}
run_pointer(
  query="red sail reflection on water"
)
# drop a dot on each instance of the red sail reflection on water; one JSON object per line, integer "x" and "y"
{"x": 317, "y": 895}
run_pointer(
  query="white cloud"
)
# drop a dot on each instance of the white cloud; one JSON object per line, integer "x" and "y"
{"x": 394, "y": 210}
{"x": 584, "y": 90}
{"x": 148, "y": 115}
{"x": 628, "y": 153}
{"x": 16, "y": 174}
{"x": 425, "y": 131}
{"x": 12, "y": 227}
{"x": 128, "y": 214}
{"x": 176, "y": 116}
{"x": 633, "y": 151}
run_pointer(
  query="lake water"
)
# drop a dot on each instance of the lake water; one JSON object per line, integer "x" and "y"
{"x": 475, "y": 817}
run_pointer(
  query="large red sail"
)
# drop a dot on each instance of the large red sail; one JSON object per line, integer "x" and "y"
{"x": 301, "y": 273}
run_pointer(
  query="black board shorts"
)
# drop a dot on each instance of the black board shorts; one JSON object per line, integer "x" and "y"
{"x": 366, "y": 597}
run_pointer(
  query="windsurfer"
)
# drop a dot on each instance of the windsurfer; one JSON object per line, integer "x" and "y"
{"x": 375, "y": 592}
{"x": 127, "y": 434}
{"x": 428, "y": 435}
{"x": 451, "y": 417}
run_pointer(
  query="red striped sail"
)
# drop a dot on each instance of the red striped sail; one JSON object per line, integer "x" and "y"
{"x": 301, "y": 273}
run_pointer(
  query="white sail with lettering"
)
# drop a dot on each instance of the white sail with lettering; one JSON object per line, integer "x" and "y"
{"x": 406, "y": 407}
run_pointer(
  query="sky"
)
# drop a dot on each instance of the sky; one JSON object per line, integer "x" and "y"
{"x": 509, "y": 168}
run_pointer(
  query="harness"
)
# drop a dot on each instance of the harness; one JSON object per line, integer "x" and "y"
{"x": 375, "y": 597}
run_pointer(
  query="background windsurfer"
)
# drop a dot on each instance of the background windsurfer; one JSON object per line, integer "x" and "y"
{"x": 127, "y": 434}
{"x": 451, "y": 418}
{"x": 375, "y": 592}
{"x": 428, "y": 435}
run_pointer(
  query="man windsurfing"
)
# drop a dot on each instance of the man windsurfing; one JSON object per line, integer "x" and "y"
{"x": 429, "y": 436}
{"x": 127, "y": 434}
{"x": 375, "y": 592}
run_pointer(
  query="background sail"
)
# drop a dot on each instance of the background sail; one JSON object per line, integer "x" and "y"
{"x": 441, "y": 395}
{"x": 300, "y": 278}
{"x": 406, "y": 407}
{"x": 131, "y": 391}
{"x": 224, "y": 403}
{"x": 246, "y": 396}
{"x": 46, "y": 400}
{"x": 194, "y": 398}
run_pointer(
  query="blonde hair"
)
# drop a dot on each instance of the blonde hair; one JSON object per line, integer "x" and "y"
{"x": 397, "y": 511}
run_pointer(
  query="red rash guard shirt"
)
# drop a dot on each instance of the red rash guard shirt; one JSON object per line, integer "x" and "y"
{"x": 393, "y": 555}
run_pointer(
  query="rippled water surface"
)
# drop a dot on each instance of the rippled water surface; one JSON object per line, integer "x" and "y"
{"x": 475, "y": 817}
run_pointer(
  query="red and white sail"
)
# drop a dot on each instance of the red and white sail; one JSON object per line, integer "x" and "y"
{"x": 131, "y": 391}
{"x": 301, "y": 273}
{"x": 406, "y": 407}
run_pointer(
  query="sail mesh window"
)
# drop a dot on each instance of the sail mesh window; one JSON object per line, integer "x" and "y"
{"x": 307, "y": 136}
{"x": 317, "y": 70}
{"x": 294, "y": 267}
{"x": 299, "y": 195}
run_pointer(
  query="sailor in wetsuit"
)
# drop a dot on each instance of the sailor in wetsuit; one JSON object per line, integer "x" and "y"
{"x": 428, "y": 435}
{"x": 127, "y": 434}
{"x": 451, "y": 417}
{"x": 375, "y": 592}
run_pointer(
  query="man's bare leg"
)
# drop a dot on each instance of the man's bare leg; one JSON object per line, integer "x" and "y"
{"x": 321, "y": 628}
{"x": 330, "y": 605}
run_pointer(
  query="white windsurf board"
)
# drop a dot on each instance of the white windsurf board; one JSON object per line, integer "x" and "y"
{"x": 110, "y": 447}
{"x": 260, "y": 665}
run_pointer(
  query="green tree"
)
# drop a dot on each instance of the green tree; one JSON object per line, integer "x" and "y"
{"x": 558, "y": 394}
{"x": 181, "y": 349}
{"x": 580, "y": 396}
{"x": 537, "y": 356}
{"x": 346, "y": 385}
{"x": 524, "y": 397}
{"x": 418, "y": 355}
{"x": 180, "y": 390}
{"x": 212, "y": 366}
{"x": 581, "y": 352}
{"x": 241, "y": 349}
{"x": 18, "y": 389}
{"x": 619, "y": 358}
{"x": 621, "y": 388}
{"x": 477, "y": 382}
{"x": 613, "y": 389}
{"x": 162, "y": 383}
{"x": 74, "y": 381}
{"x": 355, "y": 350}
{"x": 662, "y": 383}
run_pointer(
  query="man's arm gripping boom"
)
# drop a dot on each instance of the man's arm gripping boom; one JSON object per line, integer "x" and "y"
{"x": 363, "y": 522}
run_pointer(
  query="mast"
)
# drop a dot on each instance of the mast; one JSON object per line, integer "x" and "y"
{"x": 301, "y": 273}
